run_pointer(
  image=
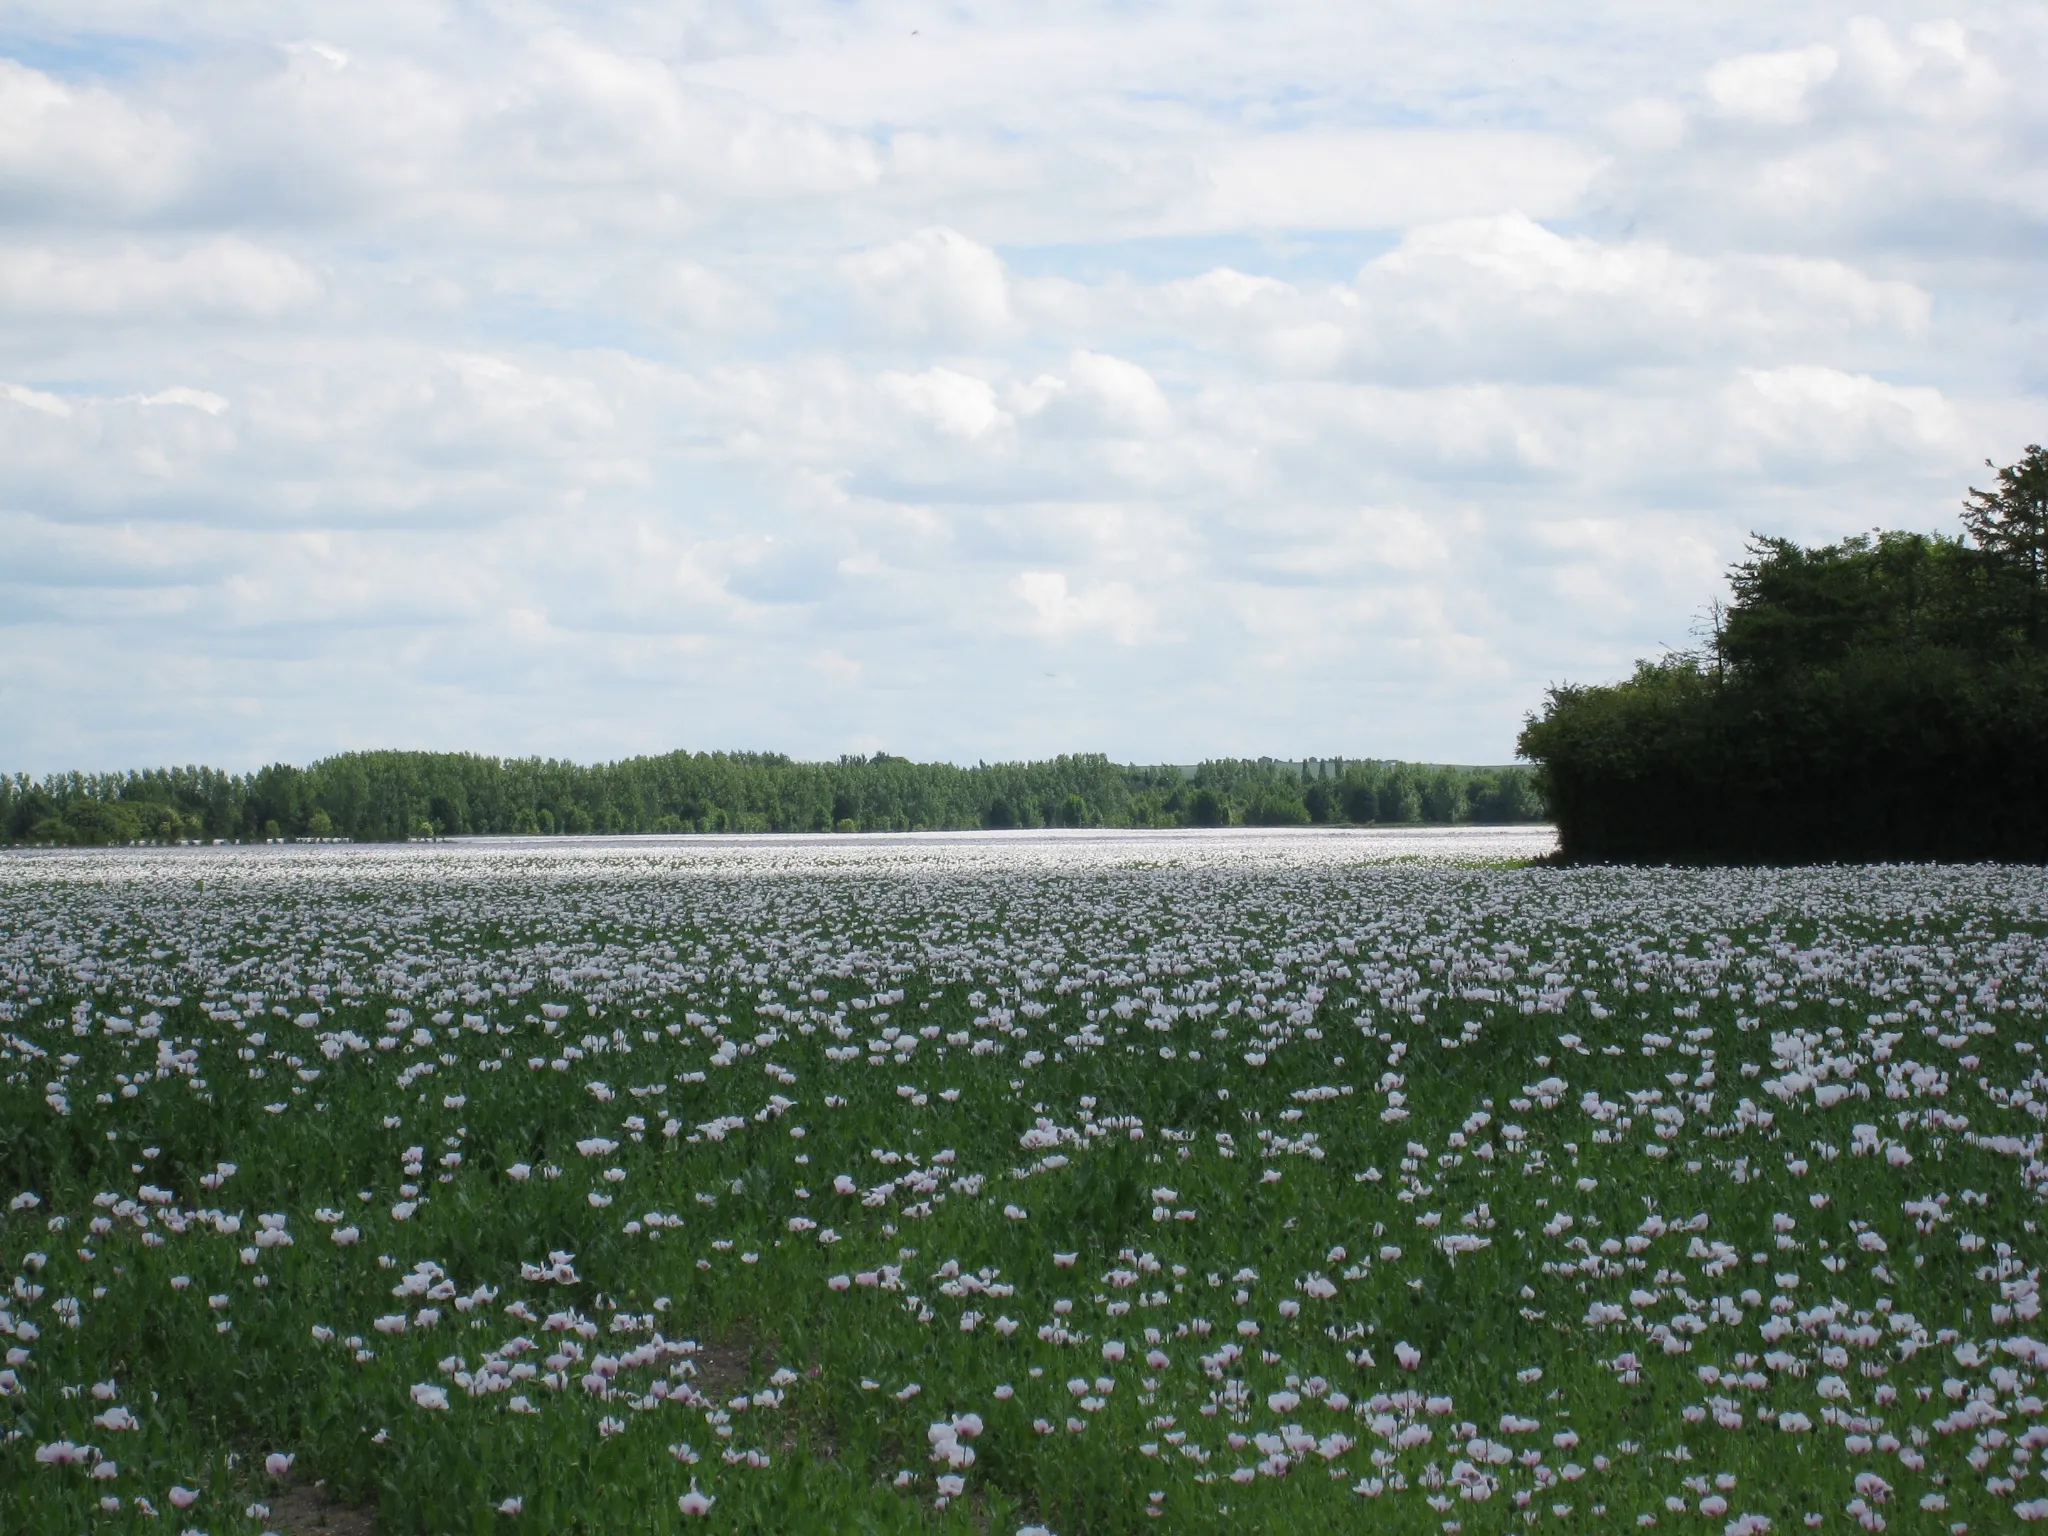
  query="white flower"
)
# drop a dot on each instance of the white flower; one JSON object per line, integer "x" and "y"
{"x": 426, "y": 1395}
{"x": 694, "y": 1502}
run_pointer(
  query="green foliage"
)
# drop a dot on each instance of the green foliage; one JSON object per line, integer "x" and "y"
{"x": 1885, "y": 697}
{"x": 2011, "y": 523}
{"x": 1419, "y": 1107}
{"x": 1801, "y": 608}
{"x": 392, "y": 796}
{"x": 1272, "y": 806}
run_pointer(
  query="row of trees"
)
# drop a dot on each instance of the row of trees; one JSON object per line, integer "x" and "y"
{"x": 1881, "y": 698}
{"x": 389, "y": 796}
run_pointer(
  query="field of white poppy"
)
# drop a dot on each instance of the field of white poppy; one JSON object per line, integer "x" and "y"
{"x": 1242, "y": 1182}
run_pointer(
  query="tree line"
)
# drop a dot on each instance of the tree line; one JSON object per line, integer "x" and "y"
{"x": 393, "y": 796}
{"x": 1881, "y": 698}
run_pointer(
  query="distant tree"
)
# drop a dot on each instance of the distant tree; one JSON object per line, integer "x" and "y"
{"x": 1206, "y": 809}
{"x": 1504, "y": 795}
{"x": 1398, "y": 801}
{"x": 160, "y": 823}
{"x": 1273, "y": 806}
{"x": 1443, "y": 797}
{"x": 99, "y": 822}
{"x": 370, "y": 796}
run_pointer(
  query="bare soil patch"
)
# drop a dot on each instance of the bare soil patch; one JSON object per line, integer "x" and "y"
{"x": 306, "y": 1509}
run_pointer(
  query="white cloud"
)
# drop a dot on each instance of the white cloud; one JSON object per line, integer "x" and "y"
{"x": 1112, "y": 607}
{"x": 1771, "y": 87}
{"x": 195, "y": 399}
{"x": 1386, "y": 179}
{"x": 933, "y": 285}
{"x": 224, "y": 277}
{"x": 951, "y": 402}
{"x": 1154, "y": 381}
{"x": 81, "y": 150}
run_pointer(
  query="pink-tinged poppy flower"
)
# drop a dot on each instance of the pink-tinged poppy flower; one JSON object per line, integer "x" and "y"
{"x": 277, "y": 1463}
{"x": 695, "y": 1502}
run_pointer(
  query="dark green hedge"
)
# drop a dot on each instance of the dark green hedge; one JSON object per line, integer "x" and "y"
{"x": 1921, "y": 755}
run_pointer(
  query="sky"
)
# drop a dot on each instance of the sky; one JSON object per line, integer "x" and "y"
{"x": 970, "y": 382}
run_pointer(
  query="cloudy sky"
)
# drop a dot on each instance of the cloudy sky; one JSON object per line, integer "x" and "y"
{"x": 969, "y": 381}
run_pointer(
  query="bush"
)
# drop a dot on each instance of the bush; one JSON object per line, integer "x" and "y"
{"x": 1275, "y": 808}
{"x": 1927, "y": 756}
{"x": 99, "y": 822}
{"x": 1881, "y": 698}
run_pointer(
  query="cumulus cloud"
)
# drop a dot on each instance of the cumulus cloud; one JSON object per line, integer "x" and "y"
{"x": 934, "y": 285}
{"x": 222, "y": 277}
{"x": 1157, "y": 382}
{"x": 81, "y": 151}
{"x": 1386, "y": 179}
{"x": 1114, "y": 608}
{"x": 1771, "y": 87}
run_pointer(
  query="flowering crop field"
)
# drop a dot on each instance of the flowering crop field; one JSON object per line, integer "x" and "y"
{"x": 1268, "y": 1182}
